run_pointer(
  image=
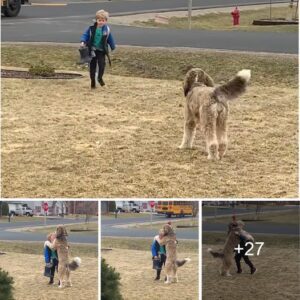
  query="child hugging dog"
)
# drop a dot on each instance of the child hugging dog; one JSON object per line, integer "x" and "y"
{"x": 167, "y": 239}
{"x": 51, "y": 257}
{"x": 158, "y": 254}
{"x": 61, "y": 247}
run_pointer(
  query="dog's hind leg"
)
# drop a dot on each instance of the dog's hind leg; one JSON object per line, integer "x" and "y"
{"x": 176, "y": 277}
{"x": 188, "y": 135}
{"x": 60, "y": 272}
{"x": 189, "y": 130}
{"x": 168, "y": 279}
{"x": 68, "y": 277}
{"x": 222, "y": 132}
{"x": 211, "y": 135}
{"x": 226, "y": 267}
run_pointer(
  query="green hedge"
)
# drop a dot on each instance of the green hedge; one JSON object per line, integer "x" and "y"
{"x": 6, "y": 286}
{"x": 110, "y": 282}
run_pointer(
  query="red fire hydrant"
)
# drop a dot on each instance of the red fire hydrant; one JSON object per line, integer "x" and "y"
{"x": 235, "y": 16}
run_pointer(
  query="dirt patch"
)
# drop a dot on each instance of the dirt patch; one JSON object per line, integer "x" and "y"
{"x": 187, "y": 226}
{"x": 26, "y": 75}
{"x": 278, "y": 275}
{"x": 268, "y": 22}
{"x": 137, "y": 276}
{"x": 30, "y": 284}
{"x": 121, "y": 141}
{"x": 82, "y": 230}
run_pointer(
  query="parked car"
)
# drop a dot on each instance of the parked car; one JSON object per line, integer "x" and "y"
{"x": 128, "y": 206}
{"x": 18, "y": 210}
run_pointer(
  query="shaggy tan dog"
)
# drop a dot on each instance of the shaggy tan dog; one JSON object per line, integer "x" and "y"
{"x": 206, "y": 104}
{"x": 235, "y": 230}
{"x": 172, "y": 263}
{"x": 64, "y": 267}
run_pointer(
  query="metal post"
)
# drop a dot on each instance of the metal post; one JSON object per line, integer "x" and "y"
{"x": 270, "y": 9}
{"x": 190, "y": 14}
{"x": 151, "y": 217}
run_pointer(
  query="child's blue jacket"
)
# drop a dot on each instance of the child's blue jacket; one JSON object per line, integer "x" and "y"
{"x": 155, "y": 247}
{"x": 86, "y": 36}
{"x": 47, "y": 254}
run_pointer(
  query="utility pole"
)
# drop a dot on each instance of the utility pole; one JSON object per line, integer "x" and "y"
{"x": 190, "y": 13}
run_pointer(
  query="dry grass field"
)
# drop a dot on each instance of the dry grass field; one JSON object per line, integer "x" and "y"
{"x": 60, "y": 139}
{"x": 30, "y": 284}
{"x": 137, "y": 276}
{"x": 277, "y": 277}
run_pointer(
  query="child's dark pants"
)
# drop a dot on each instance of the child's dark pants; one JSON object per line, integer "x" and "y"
{"x": 162, "y": 263}
{"x": 99, "y": 60}
{"x": 53, "y": 268}
{"x": 242, "y": 254}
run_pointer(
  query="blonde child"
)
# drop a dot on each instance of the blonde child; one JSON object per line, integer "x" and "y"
{"x": 51, "y": 258}
{"x": 97, "y": 38}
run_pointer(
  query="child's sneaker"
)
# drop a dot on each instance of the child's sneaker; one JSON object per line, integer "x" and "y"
{"x": 253, "y": 270}
{"x": 51, "y": 281}
{"x": 100, "y": 80}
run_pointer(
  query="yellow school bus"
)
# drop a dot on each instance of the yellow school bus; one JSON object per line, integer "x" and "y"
{"x": 175, "y": 208}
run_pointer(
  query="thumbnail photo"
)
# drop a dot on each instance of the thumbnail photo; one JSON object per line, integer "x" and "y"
{"x": 250, "y": 250}
{"x": 149, "y": 249}
{"x": 49, "y": 250}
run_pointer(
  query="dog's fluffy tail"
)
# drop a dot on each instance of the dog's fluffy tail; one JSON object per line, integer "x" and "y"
{"x": 215, "y": 253}
{"x": 180, "y": 263}
{"x": 75, "y": 263}
{"x": 233, "y": 88}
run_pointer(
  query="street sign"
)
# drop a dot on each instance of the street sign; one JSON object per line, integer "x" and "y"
{"x": 45, "y": 206}
{"x": 152, "y": 203}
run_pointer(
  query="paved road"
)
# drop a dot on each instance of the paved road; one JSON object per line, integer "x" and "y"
{"x": 40, "y": 237}
{"x": 108, "y": 229}
{"x": 254, "y": 227}
{"x": 266, "y": 228}
{"x": 230, "y": 211}
{"x": 123, "y": 7}
{"x": 141, "y": 218}
{"x": 65, "y": 24}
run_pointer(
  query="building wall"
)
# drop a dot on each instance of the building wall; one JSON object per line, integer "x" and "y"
{"x": 82, "y": 207}
{"x": 104, "y": 207}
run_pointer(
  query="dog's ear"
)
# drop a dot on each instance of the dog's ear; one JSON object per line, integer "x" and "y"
{"x": 58, "y": 231}
{"x": 196, "y": 77}
{"x": 65, "y": 232}
{"x": 207, "y": 80}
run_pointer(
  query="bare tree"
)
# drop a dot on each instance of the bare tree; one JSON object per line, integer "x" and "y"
{"x": 62, "y": 207}
{"x": 195, "y": 211}
{"x": 89, "y": 208}
{"x": 258, "y": 210}
{"x": 53, "y": 207}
